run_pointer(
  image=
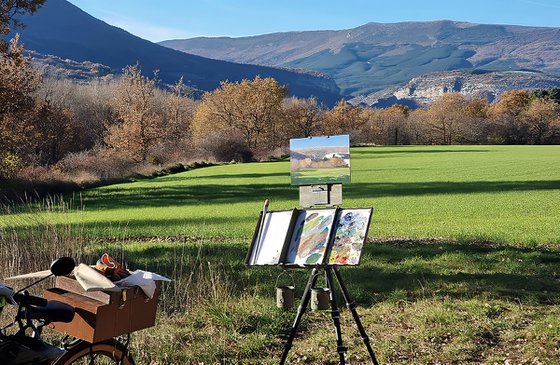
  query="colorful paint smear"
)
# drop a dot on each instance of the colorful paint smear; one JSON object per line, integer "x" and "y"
{"x": 311, "y": 236}
{"x": 350, "y": 236}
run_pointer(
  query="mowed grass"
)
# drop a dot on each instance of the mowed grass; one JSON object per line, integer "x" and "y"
{"x": 500, "y": 194}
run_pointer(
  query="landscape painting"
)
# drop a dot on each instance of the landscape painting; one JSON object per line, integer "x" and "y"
{"x": 320, "y": 160}
{"x": 350, "y": 235}
{"x": 310, "y": 238}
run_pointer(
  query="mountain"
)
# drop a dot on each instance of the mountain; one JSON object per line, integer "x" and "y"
{"x": 368, "y": 59}
{"x": 63, "y": 30}
{"x": 422, "y": 90}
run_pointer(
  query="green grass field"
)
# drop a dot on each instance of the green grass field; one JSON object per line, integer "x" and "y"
{"x": 502, "y": 194}
{"x": 462, "y": 265}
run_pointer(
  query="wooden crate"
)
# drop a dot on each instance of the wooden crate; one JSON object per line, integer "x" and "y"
{"x": 103, "y": 315}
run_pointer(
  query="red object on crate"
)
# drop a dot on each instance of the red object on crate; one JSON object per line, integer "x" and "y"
{"x": 103, "y": 315}
{"x": 111, "y": 268}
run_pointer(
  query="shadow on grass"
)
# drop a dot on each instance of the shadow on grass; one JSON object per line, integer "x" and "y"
{"x": 136, "y": 225}
{"x": 228, "y": 176}
{"x": 172, "y": 196}
{"x": 368, "y": 152}
{"x": 165, "y": 196}
{"x": 387, "y": 271}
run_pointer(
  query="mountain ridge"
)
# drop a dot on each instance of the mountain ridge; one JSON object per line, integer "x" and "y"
{"x": 376, "y": 56}
{"x": 61, "y": 29}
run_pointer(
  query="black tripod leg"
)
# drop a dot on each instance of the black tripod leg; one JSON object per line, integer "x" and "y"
{"x": 335, "y": 314}
{"x": 352, "y": 306}
{"x": 301, "y": 310}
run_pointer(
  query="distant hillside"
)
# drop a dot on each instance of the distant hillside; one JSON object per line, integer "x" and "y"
{"x": 373, "y": 57}
{"x": 422, "y": 90}
{"x": 63, "y": 30}
{"x": 56, "y": 67}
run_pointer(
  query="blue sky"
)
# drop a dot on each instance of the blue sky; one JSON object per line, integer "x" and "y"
{"x": 332, "y": 141}
{"x": 159, "y": 20}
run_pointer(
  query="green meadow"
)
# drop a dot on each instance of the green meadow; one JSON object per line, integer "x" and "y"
{"x": 499, "y": 194}
{"x": 462, "y": 264}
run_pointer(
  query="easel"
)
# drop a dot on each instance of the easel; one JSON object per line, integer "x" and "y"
{"x": 326, "y": 195}
{"x": 335, "y": 313}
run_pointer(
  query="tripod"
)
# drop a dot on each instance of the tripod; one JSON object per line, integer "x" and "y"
{"x": 335, "y": 313}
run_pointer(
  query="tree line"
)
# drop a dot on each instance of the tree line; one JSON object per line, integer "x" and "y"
{"x": 120, "y": 124}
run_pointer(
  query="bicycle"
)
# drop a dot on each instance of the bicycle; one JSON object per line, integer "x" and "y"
{"x": 26, "y": 347}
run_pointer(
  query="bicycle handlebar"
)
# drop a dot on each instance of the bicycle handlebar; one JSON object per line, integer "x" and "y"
{"x": 26, "y": 299}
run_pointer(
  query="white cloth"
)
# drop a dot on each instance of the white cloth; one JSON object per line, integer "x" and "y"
{"x": 92, "y": 280}
{"x": 144, "y": 279}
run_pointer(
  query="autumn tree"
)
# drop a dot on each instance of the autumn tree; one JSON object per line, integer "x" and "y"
{"x": 90, "y": 103}
{"x": 541, "y": 118}
{"x": 505, "y": 117}
{"x": 445, "y": 113}
{"x": 250, "y": 110}
{"x": 18, "y": 81}
{"x": 394, "y": 122}
{"x": 139, "y": 127}
{"x": 418, "y": 126}
{"x": 9, "y": 9}
{"x": 373, "y": 125}
{"x": 55, "y": 132}
{"x": 473, "y": 127}
{"x": 302, "y": 117}
{"x": 178, "y": 110}
{"x": 345, "y": 118}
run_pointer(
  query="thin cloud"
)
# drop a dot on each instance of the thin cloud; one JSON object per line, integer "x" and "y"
{"x": 151, "y": 32}
{"x": 154, "y": 33}
{"x": 542, "y": 4}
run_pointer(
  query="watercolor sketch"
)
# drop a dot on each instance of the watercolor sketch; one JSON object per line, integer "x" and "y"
{"x": 350, "y": 235}
{"x": 320, "y": 160}
{"x": 310, "y": 237}
{"x": 270, "y": 241}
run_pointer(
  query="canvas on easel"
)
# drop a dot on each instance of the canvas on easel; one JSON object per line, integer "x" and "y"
{"x": 320, "y": 160}
{"x": 349, "y": 237}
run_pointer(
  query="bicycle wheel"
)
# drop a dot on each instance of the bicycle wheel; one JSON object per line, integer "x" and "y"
{"x": 100, "y": 353}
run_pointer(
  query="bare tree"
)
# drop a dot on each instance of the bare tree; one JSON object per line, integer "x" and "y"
{"x": 445, "y": 114}
{"x": 541, "y": 118}
{"x": 250, "y": 108}
{"x": 139, "y": 127}
{"x": 302, "y": 117}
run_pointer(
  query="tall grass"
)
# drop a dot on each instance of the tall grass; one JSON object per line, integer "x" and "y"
{"x": 33, "y": 248}
{"x": 203, "y": 309}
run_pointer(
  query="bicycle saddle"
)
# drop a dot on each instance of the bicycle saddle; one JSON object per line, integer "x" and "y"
{"x": 54, "y": 311}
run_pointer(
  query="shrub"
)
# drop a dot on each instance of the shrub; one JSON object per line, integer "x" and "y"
{"x": 99, "y": 165}
{"x": 10, "y": 164}
{"x": 225, "y": 148}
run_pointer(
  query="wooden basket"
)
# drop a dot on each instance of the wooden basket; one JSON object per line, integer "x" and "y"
{"x": 103, "y": 315}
